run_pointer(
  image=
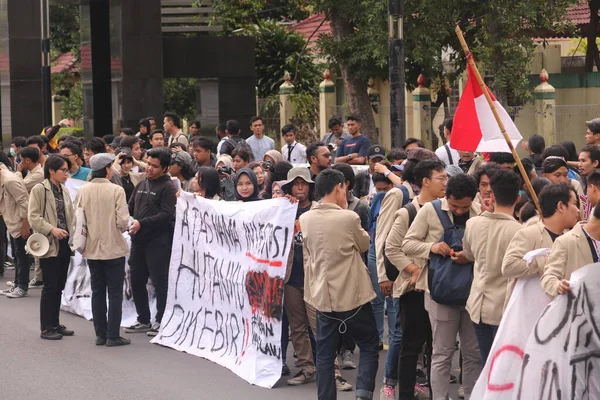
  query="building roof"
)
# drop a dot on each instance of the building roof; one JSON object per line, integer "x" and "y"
{"x": 64, "y": 63}
{"x": 579, "y": 14}
{"x": 308, "y": 26}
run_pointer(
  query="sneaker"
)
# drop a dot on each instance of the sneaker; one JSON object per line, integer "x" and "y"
{"x": 154, "y": 330}
{"x": 17, "y": 293}
{"x": 33, "y": 284}
{"x": 422, "y": 377}
{"x": 421, "y": 392}
{"x": 7, "y": 291}
{"x": 461, "y": 392}
{"x": 285, "y": 370}
{"x": 51, "y": 334}
{"x": 100, "y": 341}
{"x": 348, "y": 360}
{"x": 342, "y": 385}
{"x": 138, "y": 327}
{"x": 9, "y": 265}
{"x": 453, "y": 379}
{"x": 64, "y": 331}
{"x": 117, "y": 342}
{"x": 387, "y": 393}
{"x": 301, "y": 378}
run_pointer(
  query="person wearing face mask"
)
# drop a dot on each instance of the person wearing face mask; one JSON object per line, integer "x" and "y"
{"x": 246, "y": 186}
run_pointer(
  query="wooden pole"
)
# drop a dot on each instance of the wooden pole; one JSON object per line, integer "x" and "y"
{"x": 471, "y": 62}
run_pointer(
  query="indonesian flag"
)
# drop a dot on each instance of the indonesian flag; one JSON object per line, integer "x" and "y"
{"x": 475, "y": 128}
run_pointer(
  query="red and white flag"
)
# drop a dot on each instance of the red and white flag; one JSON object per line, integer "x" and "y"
{"x": 475, "y": 128}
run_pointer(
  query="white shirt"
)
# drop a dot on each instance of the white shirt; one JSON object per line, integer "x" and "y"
{"x": 220, "y": 144}
{"x": 442, "y": 154}
{"x": 297, "y": 155}
{"x": 260, "y": 146}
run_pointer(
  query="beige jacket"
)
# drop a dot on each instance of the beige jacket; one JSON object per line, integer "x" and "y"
{"x": 335, "y": 276}
{"x": 107, "y": 216}
{"x": 393, "y": 250}
{"x": 427, "y": 230}
{"x": 13, "y": 202}
{"x": 34, "y": 177}
{"x": 391, "y": 203}
{"x": 478, "y": 162}
{"x": 42, "y": 213}
{"x": 485, "y": 242}
{"x": 570, "y": 252}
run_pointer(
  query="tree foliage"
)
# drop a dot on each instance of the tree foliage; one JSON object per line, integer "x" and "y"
{"x": 64, "y": 28}
{"x": 180, "y": 96}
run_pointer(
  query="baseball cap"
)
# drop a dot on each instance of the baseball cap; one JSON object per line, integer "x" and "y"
{"x": 100, "y": 161}
{"x": 181, "y": 157}
{"x": 593, "y": 125}
{"x": 376, "y": 151}
{"x": 116, "y": 142}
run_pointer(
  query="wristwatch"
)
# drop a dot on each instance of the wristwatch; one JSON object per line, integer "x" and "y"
{"x": 350, "y": 156}
{"x": 386, "y": 173}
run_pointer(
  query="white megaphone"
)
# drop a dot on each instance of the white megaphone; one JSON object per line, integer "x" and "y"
{"x": 37, "y": 245}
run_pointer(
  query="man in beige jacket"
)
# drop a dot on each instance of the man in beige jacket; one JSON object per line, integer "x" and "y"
{"x": 408, "y": 289}
{"x": 107, "y": 216}
{"x": 337, "y": 284}
{"x": 485, "y": 242}
{"x": 13, "y": 206}
{"x": 572, "y": 251}
{"x": 560, "y": 212}
{"x": 423, "y": 239}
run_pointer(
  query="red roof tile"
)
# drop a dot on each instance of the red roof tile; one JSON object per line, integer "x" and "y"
{"x": 64, "y": 63}
{"x": 308, "y": 26}
{"x": 580, "y": 14}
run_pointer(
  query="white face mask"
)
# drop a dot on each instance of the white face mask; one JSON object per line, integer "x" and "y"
{"x": 13, "y": 152}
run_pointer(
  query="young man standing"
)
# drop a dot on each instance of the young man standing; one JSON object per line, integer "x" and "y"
{"x": 201, "y": 150}
{"x": 318, "y": 157}
{"x": 592, "y": 134}
{"x": 485, "y": 242}
{"x": 258, "y": 142}
{"x": 446, "y": 153}
{"x": 408, "y": 289}
{"x": 293, "y": 152}
{"x": 72, "y": 150}
{"x": 13, "y": 207}
{"x": 221, "y": 132}
{"x": 157, "y": 138}
{"x": 327, "y": 275}
{"x": 152, "y": 206}
{"x": 30, "y": 157}
{"x": 422, "y": 240}
{"x": 354, "y": 150}
{"x": 172, "y": 126}
{"x": 40, "y": 144}
{"x": 336, "y": 133}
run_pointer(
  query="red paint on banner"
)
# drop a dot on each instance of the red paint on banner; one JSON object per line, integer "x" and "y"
{"x": 505, "y": 386}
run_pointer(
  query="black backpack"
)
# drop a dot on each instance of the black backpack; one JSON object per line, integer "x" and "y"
{"x": 239, "y": 142}
{"x": 391, "y": 271}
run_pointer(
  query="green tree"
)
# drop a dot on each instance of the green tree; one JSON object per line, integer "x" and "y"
{"x": 64, "y": 28}
{"x": 180, "y": 96}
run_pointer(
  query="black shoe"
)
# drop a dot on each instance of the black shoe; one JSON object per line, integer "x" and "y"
{"x": 380, "y": 346}
{"x": 117, "y": 342}
{"x": 422, "y": 377}
{"x": 51, "y": 334}
{"x": 285, "y": 370}
{"x": 100, "y": 341}
{"x": 453, "y": 379}
{"x": 64, "y": 331}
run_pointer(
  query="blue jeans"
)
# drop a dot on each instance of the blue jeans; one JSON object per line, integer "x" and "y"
{"x": 485, "y": 337}
{"x": 360, "y": 323}
{"x": 390, "y": 376}
{"x": 379, "y": 301}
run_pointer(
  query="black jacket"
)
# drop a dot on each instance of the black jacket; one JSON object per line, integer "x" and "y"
{"x": 153, "y": 205}
{"x": 362, "y": 184}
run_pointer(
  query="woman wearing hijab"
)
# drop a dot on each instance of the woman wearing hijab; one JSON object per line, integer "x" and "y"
{"x": 272, "y": 157}
{"x": 144, "y": 134}
{"x": 246, "y": 185}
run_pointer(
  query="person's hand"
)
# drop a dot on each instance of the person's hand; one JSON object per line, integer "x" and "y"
{"x": 487, "y": 205}
{"x": 66, "y": 122}
{"x": 19, "y": 166}
{"x": 25, "y": 232}
{"x": 525, "y": 145}
{"x": 176, "y": 149}
{"x": 119, "y": 157}
{"x": 177, "y": 194}
{"x": 380, "y": 168}
{"x": 441, "y": 248}
{"x": 459, "y": 257}
{"x": 135, "y": 227}
{"x": 414, "y": 276}
{"x": 386, "y": 288}
{"x": 59, "y": 233}
{"x": 564, "y": 287}
{"x": 291, "y": 198}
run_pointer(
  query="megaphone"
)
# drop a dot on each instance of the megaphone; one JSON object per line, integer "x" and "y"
{"x": 37, "y": 245}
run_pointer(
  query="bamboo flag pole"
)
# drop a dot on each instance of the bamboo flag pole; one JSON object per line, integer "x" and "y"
{"x": 471, "y": 62}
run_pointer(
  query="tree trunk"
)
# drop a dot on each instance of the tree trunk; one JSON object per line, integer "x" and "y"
{"x": 592, "y": 56}
{"x": 356, "y": 88}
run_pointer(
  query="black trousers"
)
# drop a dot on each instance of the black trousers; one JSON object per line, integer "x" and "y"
{"x": 416, "y": 332}
{"x": 150, "y": 260}
{"x": 3, "y": 245}
{"x": 55, "y": 270}
{"x": 107, "y": 274}
{"x": 22, "y": 264}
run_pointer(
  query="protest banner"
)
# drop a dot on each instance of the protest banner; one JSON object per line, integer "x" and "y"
{"x": 226, "y": 284}
{"x": 77, "y": 295}
{"x": 560, "y": 358}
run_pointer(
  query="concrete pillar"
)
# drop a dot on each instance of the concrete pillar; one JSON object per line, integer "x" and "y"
{"x": 327, "y": 102}
{"x": 56, "y": 110}
{"x": 286, "y": 109}
{"x": 545, "y": 109}
{"x": 422, "y": 113}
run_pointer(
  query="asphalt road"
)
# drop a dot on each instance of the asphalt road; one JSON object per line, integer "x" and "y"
{"x": 74, "y": 368}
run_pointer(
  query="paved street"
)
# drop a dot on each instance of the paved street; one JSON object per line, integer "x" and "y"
{"x": 74, "y": 368}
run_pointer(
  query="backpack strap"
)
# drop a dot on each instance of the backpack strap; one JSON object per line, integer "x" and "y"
{"x": 442, "y": 215}
{"x": 405, "y": 194}
{"x": 447, "y": 147}
{"x": 412, "y": 213}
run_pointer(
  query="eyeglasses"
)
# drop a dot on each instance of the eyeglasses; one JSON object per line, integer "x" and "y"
{"x": 442, "y": 179}
{"x": 65, "y": 170}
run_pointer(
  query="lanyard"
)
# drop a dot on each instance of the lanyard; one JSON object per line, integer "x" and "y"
{"x": 593, "y": 246}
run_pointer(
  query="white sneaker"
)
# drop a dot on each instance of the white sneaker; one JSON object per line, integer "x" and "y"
{"x": 7, "y": 291}
{"x": 154, "y": 330}
{"x": 138, "y": 328}
{"x": 17, "y": 293}
{"x": 461, "y": 392}
{"x": 348, "y": 360}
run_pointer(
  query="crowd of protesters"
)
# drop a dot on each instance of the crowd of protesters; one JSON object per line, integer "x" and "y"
{"x": 368, "y": 242}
